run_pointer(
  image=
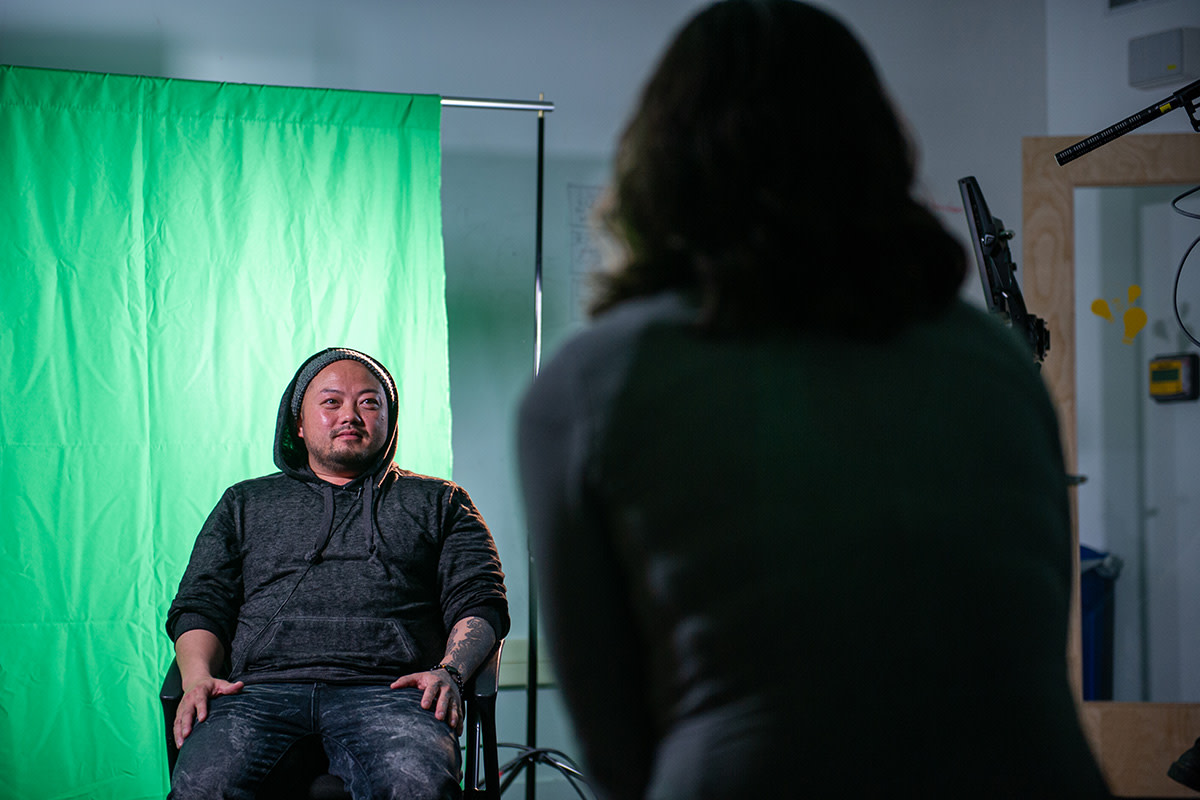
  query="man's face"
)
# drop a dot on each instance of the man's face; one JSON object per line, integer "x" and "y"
{"x": 343, "y": 420}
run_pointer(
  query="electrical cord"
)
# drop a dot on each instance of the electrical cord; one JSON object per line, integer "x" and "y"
{"x": 1182, "y": 261}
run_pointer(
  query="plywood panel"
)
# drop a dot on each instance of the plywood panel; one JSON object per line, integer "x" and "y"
{"x": 1136, "y": 742}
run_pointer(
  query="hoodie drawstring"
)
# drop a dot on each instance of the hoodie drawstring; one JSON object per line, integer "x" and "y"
{"x": 326, "y": 530}
{"x": 373, "y": 537}
{"x": 369, "y": 512}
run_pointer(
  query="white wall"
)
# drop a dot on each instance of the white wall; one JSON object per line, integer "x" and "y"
{"x": 971, "y": 79}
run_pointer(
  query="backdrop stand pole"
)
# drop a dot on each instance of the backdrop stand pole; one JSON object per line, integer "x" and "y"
{"x": 531, "y": 754}
{"x": 531, "y": 704}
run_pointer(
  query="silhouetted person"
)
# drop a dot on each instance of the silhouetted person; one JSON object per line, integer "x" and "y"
{"x": 799, "y": 514}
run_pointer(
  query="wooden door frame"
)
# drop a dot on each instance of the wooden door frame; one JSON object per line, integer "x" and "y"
{"x": 1134, "y": 742}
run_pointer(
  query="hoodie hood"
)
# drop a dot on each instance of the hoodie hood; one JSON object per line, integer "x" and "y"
{"x": 291, "y": 456}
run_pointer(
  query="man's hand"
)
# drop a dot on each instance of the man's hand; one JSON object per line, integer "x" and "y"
{"x": 471, "y": 639}
{"x": 440, "y": 693}
{"x": 193, "y": 707}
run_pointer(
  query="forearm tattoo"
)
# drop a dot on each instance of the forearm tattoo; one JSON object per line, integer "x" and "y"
{"x": 471, "y": 640}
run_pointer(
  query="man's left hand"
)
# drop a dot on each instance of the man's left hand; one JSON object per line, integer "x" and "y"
{"x": 440, "y": 693}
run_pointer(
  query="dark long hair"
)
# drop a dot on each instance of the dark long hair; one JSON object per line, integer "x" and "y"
{"x": 765, "y": 171}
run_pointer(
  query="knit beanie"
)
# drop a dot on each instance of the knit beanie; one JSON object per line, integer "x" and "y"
{"x": 326, "y": 357}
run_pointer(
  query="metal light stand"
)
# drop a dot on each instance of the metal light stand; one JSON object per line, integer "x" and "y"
{"x": 531, "y": 696}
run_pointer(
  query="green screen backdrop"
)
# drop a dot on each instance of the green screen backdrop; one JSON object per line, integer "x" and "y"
{"x": 170, "y": 251}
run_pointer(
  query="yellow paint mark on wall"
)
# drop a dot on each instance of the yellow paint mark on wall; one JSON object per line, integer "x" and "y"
{"x": 1133, "y": 318}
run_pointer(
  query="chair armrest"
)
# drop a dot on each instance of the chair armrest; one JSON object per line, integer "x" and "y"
{"x": 485, "y": 682}
{"x": 481, "y": 691}
{"x": 172, "y": 688}
{"x": 170, "y": 694}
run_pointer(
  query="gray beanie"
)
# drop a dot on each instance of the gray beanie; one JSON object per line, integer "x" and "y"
{"x": 326, "y": 357}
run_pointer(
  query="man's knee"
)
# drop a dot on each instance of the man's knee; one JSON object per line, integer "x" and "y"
{"x": 205, "y": 782}
{"x": 426, "y": 784}
{"x": 209, "y": 767}
{"x": 416, "y": 773}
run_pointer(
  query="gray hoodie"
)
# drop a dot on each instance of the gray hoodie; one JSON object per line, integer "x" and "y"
{"x": 304, "y": 580}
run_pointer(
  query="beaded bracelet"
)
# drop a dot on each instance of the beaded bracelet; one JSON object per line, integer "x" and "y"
{"x": 453, "y": 672}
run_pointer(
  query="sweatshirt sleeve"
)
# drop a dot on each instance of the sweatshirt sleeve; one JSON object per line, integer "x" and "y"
{"x": 472, "y": 583}
{"x": 588, "y": 607}
{"x": 210, "y": 592}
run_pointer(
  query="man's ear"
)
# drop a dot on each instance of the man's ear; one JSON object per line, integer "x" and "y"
{"x": 300, "y": 427}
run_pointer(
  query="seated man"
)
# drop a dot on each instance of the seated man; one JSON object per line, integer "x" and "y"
{"x": 351, "y": 597}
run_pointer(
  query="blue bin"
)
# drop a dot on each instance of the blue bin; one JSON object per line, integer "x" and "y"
{"x": 1098, "y": 577}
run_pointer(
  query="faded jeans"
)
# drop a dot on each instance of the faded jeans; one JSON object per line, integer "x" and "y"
{"x": 380, "y": 742}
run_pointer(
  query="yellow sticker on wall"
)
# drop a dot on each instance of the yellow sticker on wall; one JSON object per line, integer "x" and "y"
{"x": 1133, "y": 317}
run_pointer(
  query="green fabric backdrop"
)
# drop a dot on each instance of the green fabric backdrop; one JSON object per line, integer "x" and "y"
{"x": 170, "y": 251}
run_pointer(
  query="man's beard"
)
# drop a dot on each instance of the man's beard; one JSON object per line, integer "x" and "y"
{"x": 356, "y": 461}
{"x": 350, "y": 460}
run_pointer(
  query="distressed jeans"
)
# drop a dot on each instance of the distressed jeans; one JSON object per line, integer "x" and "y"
{"x": 380, "y": 742}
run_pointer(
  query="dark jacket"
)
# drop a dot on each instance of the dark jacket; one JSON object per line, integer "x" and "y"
{"x": 305, "y": 580}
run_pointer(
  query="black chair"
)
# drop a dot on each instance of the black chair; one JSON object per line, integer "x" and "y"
{"x": 303, "y": 772}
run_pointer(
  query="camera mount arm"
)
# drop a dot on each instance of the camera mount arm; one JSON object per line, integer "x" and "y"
{"x": 997, "y": 271}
